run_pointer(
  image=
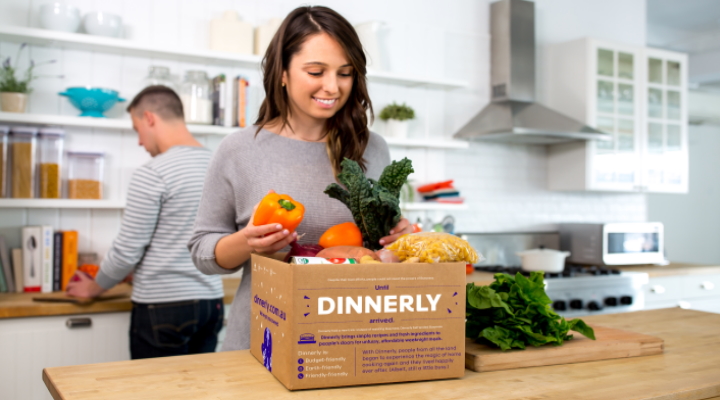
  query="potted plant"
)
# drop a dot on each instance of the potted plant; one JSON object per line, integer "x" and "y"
{"x": 14, "y": 91}
{"x": 397, "y": 117}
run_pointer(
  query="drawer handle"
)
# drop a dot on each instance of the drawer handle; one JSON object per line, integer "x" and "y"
{"x": 659, "y": 289}
{"x": 707, "y": 285}
{"x": 78, "y": 323}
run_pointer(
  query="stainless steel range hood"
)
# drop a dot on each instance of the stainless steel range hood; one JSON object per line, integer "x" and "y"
{"x": 514, "y": 115}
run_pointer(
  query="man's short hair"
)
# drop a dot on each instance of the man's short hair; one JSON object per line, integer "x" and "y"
{"x": 160, "y": 100}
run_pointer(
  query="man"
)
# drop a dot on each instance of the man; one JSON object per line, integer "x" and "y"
{"x": 176, "y": 308}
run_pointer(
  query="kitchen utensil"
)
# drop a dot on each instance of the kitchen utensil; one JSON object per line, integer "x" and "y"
{"x": 543, "y": 259}
{"x": 92, "y": 101}
{"x": 610, "y": 343}
{"x": 62, "y": 297}
{"x": 448, "y": 224}
{"x": 103, "y": 24}
{"x": 32, "y": 245}
{"x": 59, "y": 17}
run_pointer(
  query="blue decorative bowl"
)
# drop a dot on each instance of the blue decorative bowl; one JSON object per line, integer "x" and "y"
{"x": 92, "y": 101}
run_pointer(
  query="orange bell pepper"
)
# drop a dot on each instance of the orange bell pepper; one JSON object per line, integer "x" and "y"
{"x": 279, "y": 209}
{"x": 345, "y": 234}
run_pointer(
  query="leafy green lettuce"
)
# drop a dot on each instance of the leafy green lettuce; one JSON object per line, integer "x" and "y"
{"x": 375, "y": 205}
{"x": 514, "y": 312}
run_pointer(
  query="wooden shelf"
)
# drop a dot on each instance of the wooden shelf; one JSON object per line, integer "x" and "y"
{"x": 429, "y": 206}
{"x": 61, "y": 203}
{"x": 101, "y": 123}
{"x": 80, "y": 41}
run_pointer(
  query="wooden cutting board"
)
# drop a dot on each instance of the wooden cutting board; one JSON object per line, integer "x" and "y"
{"x": 61, "y": 297}
{"x": 610, "y": 343}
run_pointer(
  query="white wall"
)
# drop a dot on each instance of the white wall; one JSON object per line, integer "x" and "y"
{"x": 504, "y": 184}
{"x": 691, "y": 221}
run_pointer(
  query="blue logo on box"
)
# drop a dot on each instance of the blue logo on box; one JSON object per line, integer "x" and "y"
{"x": 306, "y": 338}
{"x": 266, "y": 349}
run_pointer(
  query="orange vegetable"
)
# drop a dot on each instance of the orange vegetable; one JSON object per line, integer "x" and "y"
{"x": 469, "y": 269}
{"x": 345, "y": 234}
{"x": 279, "y": 209}
{"x": 90, "y": 269}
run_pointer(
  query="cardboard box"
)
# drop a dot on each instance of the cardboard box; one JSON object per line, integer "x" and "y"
{"x": 317, "y": 326}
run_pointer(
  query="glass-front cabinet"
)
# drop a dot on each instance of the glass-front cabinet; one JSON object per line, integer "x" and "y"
{"x": 638, "y": 96}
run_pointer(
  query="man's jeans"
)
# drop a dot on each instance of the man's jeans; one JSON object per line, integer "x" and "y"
{"x": 172, "y": 329}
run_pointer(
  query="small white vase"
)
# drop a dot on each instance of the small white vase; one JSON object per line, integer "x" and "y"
{"x": 13, "y": 102}
{"x": 396, "y": 128}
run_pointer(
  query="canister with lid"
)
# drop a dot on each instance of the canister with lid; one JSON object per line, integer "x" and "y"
{"x": 85, "y": 174}
{"x": 3, "y": 159}
{"x": 22, "y": 157}
{"x": 50, "y": 142}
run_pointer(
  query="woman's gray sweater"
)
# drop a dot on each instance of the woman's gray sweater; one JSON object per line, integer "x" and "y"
{"x": 240, "y": 174}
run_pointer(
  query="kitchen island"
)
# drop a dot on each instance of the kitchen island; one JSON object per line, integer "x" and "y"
{"x": 689, "y": 369}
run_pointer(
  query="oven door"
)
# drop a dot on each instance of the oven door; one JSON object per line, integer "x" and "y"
{"x": 633, "y": 243}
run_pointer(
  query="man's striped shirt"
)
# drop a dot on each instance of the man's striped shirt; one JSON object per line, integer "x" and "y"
{"x": 162, "y": 202}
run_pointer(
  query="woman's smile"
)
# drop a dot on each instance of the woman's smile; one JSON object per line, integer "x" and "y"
{"x": 325, "y": 103}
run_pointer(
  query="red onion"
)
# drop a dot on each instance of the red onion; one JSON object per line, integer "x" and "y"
{"x": 302, "y": 250}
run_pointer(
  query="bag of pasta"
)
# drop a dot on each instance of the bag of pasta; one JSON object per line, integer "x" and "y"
{"x": 434, "y": 247}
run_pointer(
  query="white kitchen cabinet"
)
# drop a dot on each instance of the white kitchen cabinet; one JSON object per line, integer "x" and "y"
{"x": 639, "y": 96}
{"x": 697, "y": 292}
{"x": 27, "y": 345}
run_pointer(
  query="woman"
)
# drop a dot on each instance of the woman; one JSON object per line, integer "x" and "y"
{"x": 313, "y": 116}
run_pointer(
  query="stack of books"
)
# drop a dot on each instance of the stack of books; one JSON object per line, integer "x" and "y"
{"x": 45, "y": 262}
{"x": 441, "y": 192}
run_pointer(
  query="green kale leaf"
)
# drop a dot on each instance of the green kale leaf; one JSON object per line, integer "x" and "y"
{"x": 375, "y": 205}
{"x": 514, "y": 312}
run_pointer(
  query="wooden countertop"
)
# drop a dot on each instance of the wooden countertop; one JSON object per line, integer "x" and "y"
{"x": 15, "y": 305}
{"x": 689, "y": 369}
{"x": 673, "y": 269}
{"x": 653, "y": 271}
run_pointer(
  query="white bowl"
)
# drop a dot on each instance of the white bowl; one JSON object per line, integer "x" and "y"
{"x": 547, "y": 260}
{"x": 59, "y": 17}
{"x": 103, "y": 24}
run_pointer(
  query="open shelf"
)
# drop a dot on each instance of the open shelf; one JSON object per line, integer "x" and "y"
{"x": 430, "y": 206}
{"x": 101, "y": 123}
{"x": 125, "y": 124}
{"x": 81, "y": 41}
{"x": 428, "y": 143}
{"x": 61, "y": 203}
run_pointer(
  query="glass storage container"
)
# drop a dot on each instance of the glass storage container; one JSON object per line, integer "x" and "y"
{"x": 3, "y": 159}
{"x": 158, "y": 75}
{"x": 50, "y": 142}
{"x": 196, "y": 96}
{"x": 22, "y": 159}
{"x": 85, "y": 174}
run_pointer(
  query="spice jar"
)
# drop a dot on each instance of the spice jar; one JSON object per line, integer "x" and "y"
{"x": 3, "y": 159}
{"x": 50, "y": 142}
{"x": 158, "y": 76}
{"x": 85, "y": 175}
{"x": 196, "y": 96}
{"x": 22, "y": 158}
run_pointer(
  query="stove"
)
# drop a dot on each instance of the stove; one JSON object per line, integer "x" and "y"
{"x": 583, "y": 290}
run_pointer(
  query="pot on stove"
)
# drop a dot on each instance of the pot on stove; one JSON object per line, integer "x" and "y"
{"x": 543, "y": 259}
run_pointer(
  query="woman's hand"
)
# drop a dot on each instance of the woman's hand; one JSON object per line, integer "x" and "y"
{"x": 266, "y": 239}
{"x": 403, "y": 227}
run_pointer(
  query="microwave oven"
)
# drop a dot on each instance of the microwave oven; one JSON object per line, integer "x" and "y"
{"x": 628, "y": 243}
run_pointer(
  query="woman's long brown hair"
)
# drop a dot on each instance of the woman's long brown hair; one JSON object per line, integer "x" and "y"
{"x": 347, "y": 132}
